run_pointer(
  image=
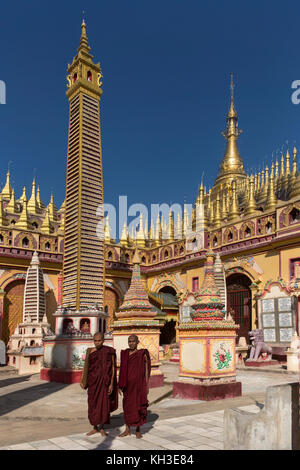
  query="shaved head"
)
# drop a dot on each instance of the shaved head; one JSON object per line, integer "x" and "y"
{"x": 133, "y": 337}
{"x": 99, "y": 335}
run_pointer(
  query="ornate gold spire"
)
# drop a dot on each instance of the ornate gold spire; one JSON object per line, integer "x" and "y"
{"x": 265, "y": 184}
{"x": 61, "y": 229}
{"x": 23, "y": 222}
{"x": 40, "y": 203}
{"x": 171, "y": 226}
{"x": 232, "y": 166}
{"x": 218, "y": 218}
{"x": 295, "y": 186}
{"x": 140, "y": 236}
{"x": 46, "y": 226}
{"x": 107, "y": 233}
{"x": 294, "y": 173}
{"x": 250, "y": 207}
{"x": 2, "y": 213}
{"x": 32, "y": 203}
{"x": 6, "y": 191}
{"x": 12, "y": 206}
{"x": 52, "y": 209}
{"x": 123, "y": 239}
{"x": 271, "y": 198}
{"x": 234, "y": 208}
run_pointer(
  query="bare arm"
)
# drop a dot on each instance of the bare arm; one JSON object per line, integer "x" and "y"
{"x": 112, "y": 376}
{"x": 83, "y": 382}
{"x": 147, "y": 373}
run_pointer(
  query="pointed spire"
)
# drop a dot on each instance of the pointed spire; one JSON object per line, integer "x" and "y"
{"x": 107, "y": 232}
{"x": 123, "y": 239}
{"x": 287, "y": 162}
{"x": 40, "y": 203}
{"x": 32, "y": 203}
{"x": 84, "y": 47}
{"x": 2, "y": 212}
{"x": 271, "y": 197}
{"x": 136, "y": 302}
{"x": 294, "y": 173}
{"x": 62, "y": 224}
{"x": 232, "y": 163}
{"x": 46, "y": 225}
{"x": 6, "y": 191}
{"x": 23, "y": 221}
{"x": 140, "y": 236}
{"x": 52, "y": 209}
{"x": 171, "y": 226}
{"x": 12, "y": 206}
{"x": 251, "y": 204}
{"x": 218, "y": 218}
{"x": 234, "y": 208}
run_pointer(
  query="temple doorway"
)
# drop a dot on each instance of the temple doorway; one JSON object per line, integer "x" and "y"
{"x": 168, "y": 333}
{"x": 239, "y": 300}
{"x": 111, "y": 305}
{"x": 12, "y": 308}
{"x": 168, "y": 290}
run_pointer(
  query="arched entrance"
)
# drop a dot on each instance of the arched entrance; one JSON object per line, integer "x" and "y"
{"x": 239, "y": 300}
{"x": 168, "y": 290}
{"x": 13, "y": 308}
{"x": 168, "y": 333}
{"x": 111, "y": 305}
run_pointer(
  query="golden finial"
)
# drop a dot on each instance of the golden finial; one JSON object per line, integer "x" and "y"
{"x": 40, "y": 203}
{"x": 271, "y": 197}
{"x": 23, "y": 222}
{"x": 234, "y": 208}
{"x": 282, "y": 165}
{"x": 32, "y": 203}
{"x": 218, "y": 219}
{"x": 6, "y": 191}
{"x": 224, "y": 206}
{"x": 46, "y": 226}
{"x": 232, "y": 163}
{"x": 250, "y": 207}
{"x": 11, "y": 206}
{"x": 52, "y": 209}
{"x": 171, "y": 226}
{"x": 123, "y": 239}
{"x": 287, "y": 159}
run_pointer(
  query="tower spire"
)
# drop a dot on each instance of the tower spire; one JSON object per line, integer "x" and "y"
{"x": 232, "y": 166}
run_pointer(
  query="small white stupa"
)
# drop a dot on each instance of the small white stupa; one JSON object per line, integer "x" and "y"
{"x": 25, "y": 347}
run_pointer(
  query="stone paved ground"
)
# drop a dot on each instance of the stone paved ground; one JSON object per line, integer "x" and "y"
{"x": 32, "y": 410}
{"x": 199, "y": 432}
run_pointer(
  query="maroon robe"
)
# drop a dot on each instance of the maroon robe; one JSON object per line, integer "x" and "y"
{"x": 132, "y": 381}
{"x": 100, "y": 403}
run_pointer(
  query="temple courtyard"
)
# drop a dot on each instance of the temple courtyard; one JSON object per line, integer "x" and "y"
{"x": 35, "y": 414}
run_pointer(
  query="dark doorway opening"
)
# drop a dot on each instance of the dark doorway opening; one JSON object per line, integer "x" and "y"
{"x": 239, "y": 300}
{"x": 168, "y": 333}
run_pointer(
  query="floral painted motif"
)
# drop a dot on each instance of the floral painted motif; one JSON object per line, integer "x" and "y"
{"x": 223, "y": 358}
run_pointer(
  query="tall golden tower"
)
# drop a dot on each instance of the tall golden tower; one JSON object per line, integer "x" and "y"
{"x": 232, "y": 166}
{"x": 83, "y": 268}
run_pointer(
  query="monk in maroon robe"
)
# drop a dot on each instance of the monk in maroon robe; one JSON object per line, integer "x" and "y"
{"x": 99, "y": 377}
{"x": 134, "y": 376}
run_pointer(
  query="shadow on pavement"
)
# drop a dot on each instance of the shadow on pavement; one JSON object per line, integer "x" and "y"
{"x": 14, "y": 400}
{"x": 117, "y": 426}
{"x": 14, "y": 380}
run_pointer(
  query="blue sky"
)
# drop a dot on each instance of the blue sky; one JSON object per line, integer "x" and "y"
{"x": 166, "y": 67}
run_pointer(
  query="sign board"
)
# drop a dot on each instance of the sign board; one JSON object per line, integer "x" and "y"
{"x": 2, "y": 353}
{"x": 33, "y": 351}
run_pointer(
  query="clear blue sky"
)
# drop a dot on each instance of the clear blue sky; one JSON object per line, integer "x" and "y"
{"x": 166, "y": 67}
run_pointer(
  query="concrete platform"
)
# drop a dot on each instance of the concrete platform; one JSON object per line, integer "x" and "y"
{"x": 33, "y": 410}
